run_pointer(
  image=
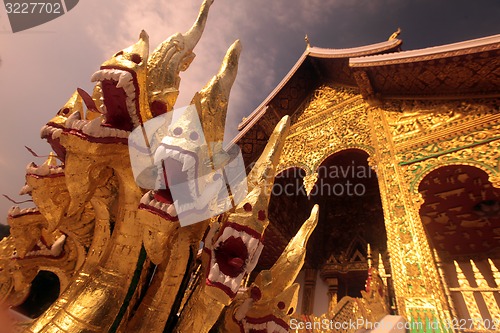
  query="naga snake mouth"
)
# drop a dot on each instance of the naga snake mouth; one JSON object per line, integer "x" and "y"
{"x": 16, "y": 212}
{"x": 120, "y": 98}
{"x": 44, "y": 171}
{"x": 182, "y": 169}
{"x": 52, "y": 133}
{"x": 119, "y": 108}
{"x": 235, "y": 253}
{"x": 41, "y": 249}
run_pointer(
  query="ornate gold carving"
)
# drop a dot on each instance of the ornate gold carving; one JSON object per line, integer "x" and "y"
{"x": 496, "y": 273}
{"x": 487, "y": 293}
{"x": 418, "y": 123}
{"x": 417, "y": 294}
{"x": 333, "y": 119}
{"x": 368, "y": 309}
{"x": 485, "y": 157}
{"x": 309, "y": 181}
{"x": 467, "y": 293}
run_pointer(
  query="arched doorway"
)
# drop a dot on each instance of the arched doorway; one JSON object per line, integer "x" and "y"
{"x": 351, "y": 217}
{"x": 461, "y": 216}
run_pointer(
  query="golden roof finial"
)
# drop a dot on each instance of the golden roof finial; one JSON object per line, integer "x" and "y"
{"x": 395, "y": 34}
{"x": 308, "y": 44}
{"x": 381, "y": 267}
{"x": 369, "y": 255}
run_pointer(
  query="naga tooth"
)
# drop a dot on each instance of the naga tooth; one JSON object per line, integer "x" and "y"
{"x": 189, "y": 162}
{"x": 42, "y": 170}
{"x": 246, "y": 237}
{"x": 71, "y": 119}
{"x": 253, "y": 243}
{"x": 130, "y": 89}
{"x": 171, "y": 210}
{"x": 25, "y": 190}
{"x": 56, "y": 249}
{"x": 43, "y": 131}
{"x": 124, "y": 79}
{"x": 96, "y": 76}
{"x": 16, "y": 211}
{"x": 215, "y": 269}
{"x": 226, "y": 233}
{"x": 57, "y": 133}
{"x": 145, "y": 199}
{"x": 157, "y": 205}
{"x": 234, "y": 285}
{"x": 271, "y": 326}
{"x": 93, "y": 126}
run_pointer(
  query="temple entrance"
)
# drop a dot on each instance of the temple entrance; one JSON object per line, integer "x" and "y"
{"x": 461, "y": 216}
{"x": 350, "y": 221}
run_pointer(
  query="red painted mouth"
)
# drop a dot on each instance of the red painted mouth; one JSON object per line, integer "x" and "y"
{"x": 117, "y": 115}
{"x": 235, "y": 253}
{"x": 119, "y": 108}
{"x": 52, "y": 132}
{"x": 231, "y": 256}
{"x": 267, "y": 324}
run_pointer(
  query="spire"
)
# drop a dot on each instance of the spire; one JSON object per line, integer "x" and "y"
{"x": 265, "y": 167}
{"x": 287, "y": 267}
{"x": 52, "y": 159}
{"x": 478, "y": 276}
{"x": 369, "y": 255}
{"x": 212, "y": 101}
{"x": 171, "y": 57}
{"x": 462, "y": 280}
{"x": 496, "y": 273}
{"x": 308, "y": 44}
{"x": 395, "y": 34}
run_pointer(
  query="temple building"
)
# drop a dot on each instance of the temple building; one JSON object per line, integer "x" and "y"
{"x": 401, "y": 150}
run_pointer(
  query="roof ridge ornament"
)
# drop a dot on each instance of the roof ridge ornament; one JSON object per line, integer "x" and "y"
{"x": 395, "y": 34}
{"x": 308, "y": 44}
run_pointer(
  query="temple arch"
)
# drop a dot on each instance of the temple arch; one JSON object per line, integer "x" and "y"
{"x": 461, "y": 217}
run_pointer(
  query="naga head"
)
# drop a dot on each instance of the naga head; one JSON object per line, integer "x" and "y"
{"x": 271, "y": 299}
{"x": 55, "y": 126}
{"x": 233, "y": 251}
{"x": 188, "y": 159}
{"x": 26, "y": 227}
{"x": 47, "y": 186}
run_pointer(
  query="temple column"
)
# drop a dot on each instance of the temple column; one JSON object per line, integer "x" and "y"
{"x": 420, "y": 296}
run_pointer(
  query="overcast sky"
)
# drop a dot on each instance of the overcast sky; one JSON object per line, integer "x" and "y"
{"x": 41, "y": 67}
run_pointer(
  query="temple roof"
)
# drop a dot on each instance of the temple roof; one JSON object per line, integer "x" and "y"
{"x": 381, "y": 71}
{"x": 322, "y": 53}
{"x": 469, "y": 69}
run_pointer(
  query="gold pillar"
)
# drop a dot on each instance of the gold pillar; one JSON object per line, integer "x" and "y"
{"x": 419, "y": 292}
{"x": 333, "y": 288}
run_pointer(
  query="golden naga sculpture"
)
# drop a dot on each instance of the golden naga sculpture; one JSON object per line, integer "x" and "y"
{"x": 123, "y": 259}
